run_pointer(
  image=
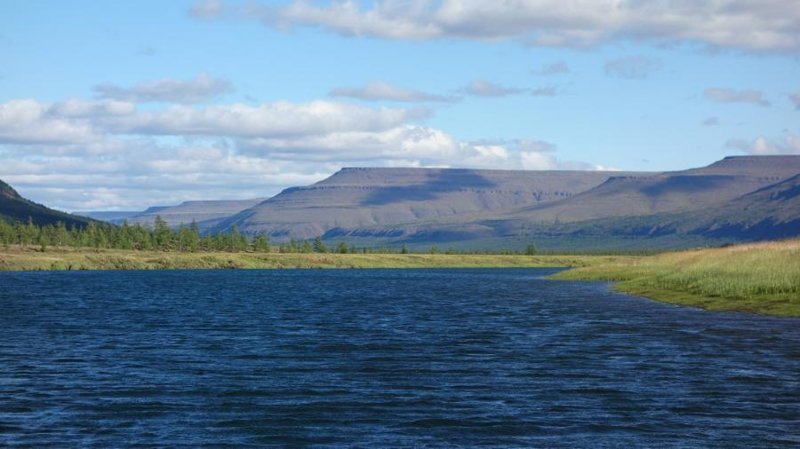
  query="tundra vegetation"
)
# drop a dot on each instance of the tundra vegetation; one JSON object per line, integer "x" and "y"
{"x": 760, "y": 278}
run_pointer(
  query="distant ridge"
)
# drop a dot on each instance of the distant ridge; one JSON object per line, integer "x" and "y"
{"x": 422, "y": 206}
{"x": 205, "y": 213}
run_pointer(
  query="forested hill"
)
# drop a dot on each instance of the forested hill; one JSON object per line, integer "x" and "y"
{"x": 15, "y": 208}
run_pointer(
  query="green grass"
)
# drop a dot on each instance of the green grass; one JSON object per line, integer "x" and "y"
{"x": 25, "y": 259}
{"x": 759, "y": 278}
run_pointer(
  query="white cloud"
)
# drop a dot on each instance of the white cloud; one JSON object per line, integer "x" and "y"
{"x": 736, "y": 96}
{"x": 29, "y": 121}
{"x": 202, "y": 88}
{"x": 483, "y": 88}
{"x": 279, "y": 119}
{"x": 404, "y": 142}
{"x": 538, "y": 161}
{"x": 148, "y": 173}
{"x": 75, "y": 121}
{"x": 383, "y": 91}
{"x": 101, "y": 154}
{"x": 763, "y": 146}
{"x": 753, "y": 25}
{"x": 412, "y": 145}
{"x": 634, "y": 67}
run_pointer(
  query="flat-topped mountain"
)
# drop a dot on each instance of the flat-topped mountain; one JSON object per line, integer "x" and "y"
{"x": 15, "y": 208}
{"x": 424, "y": 206}
{"x": 622, "y": 196}
{"x": 357, "y": 198}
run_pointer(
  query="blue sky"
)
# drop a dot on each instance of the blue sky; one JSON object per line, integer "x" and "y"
{"x": 123, "y": 105}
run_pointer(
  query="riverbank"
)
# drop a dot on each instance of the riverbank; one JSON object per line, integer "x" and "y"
{"x": 761, "y": 278}
{"x": 757, "y": 278}
{"x": 31, "y": 258}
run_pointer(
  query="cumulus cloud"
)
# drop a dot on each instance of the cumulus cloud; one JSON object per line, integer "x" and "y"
{"x": 87, "y": 120}
{"x": 483, "y": 88}
{"x": 383, "y": 91}
{"x": 736, "y": 24}
{"x": 29, "y": 121}
{"x": 736, "y": 96}
{"x": 142, "y": 173}
{"x": 763, "y": 146}
{"x": 202, "y": 88}
{"x": 538, "y": 161}
{"x": 556, "y": 68}
{"x": 405, "y": 142}
{"x": 412, "y": 145}
{"x": 271, "y": 119}
{"x": 634, "y": 67}
{"x": 101, "y": 154}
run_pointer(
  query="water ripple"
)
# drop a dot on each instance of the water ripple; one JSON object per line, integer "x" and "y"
{"x": 382, "y": 358}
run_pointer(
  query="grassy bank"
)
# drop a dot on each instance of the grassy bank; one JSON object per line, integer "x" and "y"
{"x": 760, "y": 278}
{"x": 30, "y": 258}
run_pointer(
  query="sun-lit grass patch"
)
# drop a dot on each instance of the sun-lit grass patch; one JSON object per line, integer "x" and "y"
{"x": 19, "y": 258}
{"x": 761, "y": 278}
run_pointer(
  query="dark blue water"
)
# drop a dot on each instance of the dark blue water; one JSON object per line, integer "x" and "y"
{"x": 382, "y": 358}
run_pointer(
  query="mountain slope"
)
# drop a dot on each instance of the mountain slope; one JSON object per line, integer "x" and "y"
{"x": 686, "y": 190}
{"x": 362, "y": 198}
{"x": 205, "y": 213}
{"x": 429, "y": 206}
{"x": 15, "y": 208}
{"x": 770, "y": 212}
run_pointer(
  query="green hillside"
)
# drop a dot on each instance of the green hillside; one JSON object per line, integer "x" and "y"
{"x": 15, "y": 208}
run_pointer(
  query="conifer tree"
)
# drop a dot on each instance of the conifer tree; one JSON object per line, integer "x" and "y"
{"x": 319, "y": 246}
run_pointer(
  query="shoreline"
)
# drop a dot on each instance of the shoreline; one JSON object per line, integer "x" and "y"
{"x": 65, "y": 259}
{"x": 761, "y": 278}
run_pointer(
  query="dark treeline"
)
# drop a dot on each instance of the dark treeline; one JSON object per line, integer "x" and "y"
{"x": 130, "y": 237}
{"x": 161, "y": 237}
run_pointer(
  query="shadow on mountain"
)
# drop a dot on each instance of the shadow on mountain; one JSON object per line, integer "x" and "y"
{"x": 767, "y": 229}
{"x": 686, "y": 184}
{"x": 442, "y": 182}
